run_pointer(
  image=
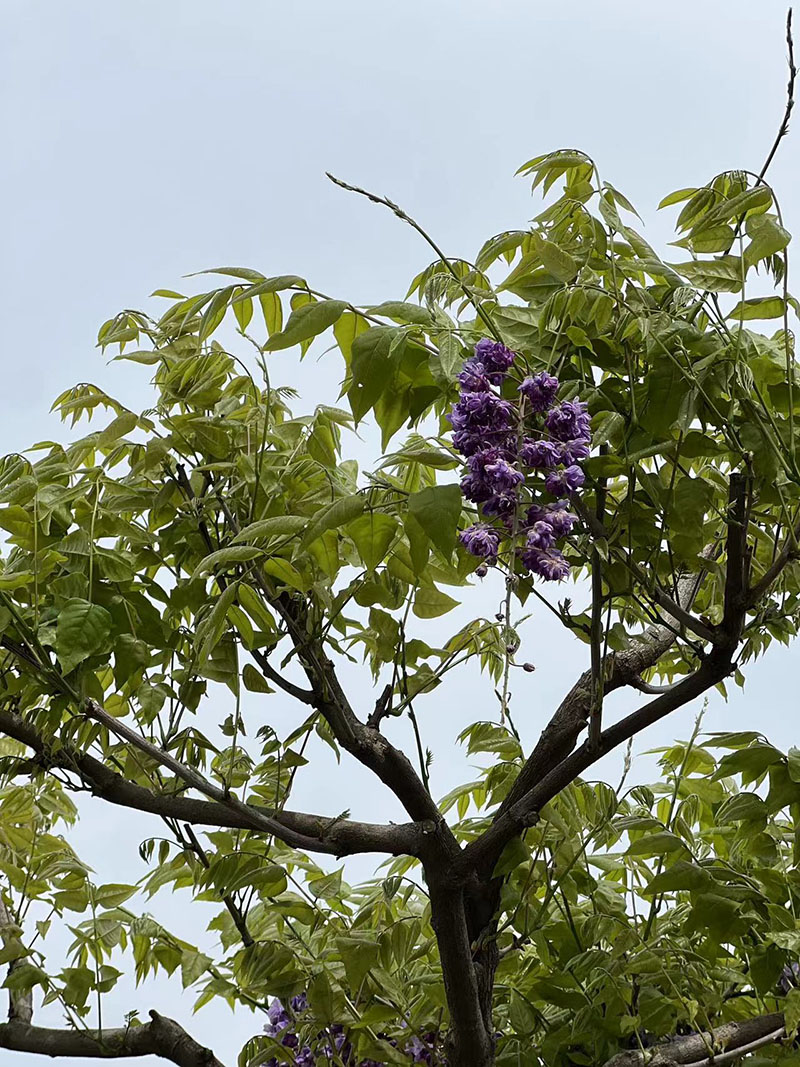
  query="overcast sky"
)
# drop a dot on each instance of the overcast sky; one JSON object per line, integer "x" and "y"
{"x": 145, "y": 139}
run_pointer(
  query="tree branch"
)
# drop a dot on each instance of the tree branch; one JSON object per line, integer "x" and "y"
{"x": 20, "y": 1002}
{"x": 364, "y": 742}
{"x": 336, "y": 837}
{"x": 730, "y": 1041}
{"x": 560, "y": 735}
{"x": 160, "y": 1037}
{"x": 483, "y": 853}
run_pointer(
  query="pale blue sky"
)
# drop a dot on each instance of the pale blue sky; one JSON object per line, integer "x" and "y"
{"x": 148, "y": 138}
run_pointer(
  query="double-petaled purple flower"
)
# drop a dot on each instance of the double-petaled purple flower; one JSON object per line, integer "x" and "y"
{"x": 547, "y": 563}
{"x": 495, "y": 357}
{"x": 540, "y": 536}
{"x": 481, "y": 540}
{"x": 568, "y": 421}
{"x": 540, "y": 454}
{"x": 474, "y": 378}
{"x": 540, "y": 390}
{"x": 279, "y": 1018}
{"x": 482, "y": 420}
{"x": 489, "y": 473}
{"x": 564, "y": 481}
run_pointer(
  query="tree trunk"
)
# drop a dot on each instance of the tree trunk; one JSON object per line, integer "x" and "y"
{"x": 463, "y": 919}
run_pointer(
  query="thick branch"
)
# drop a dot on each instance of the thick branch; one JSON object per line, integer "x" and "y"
{"x": 737, "y": 565}
{"x": 472, "y": 1042}
{"x": 363, "y": 742}
{"x": 560, "y": 735}
{"x": 160, "y": 1037}
{"x": 336, "y": 837}
{"x": 730, "y": 1041}
{"x": 483, "y": 852}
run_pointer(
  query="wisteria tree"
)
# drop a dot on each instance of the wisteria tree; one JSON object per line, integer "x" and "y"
{"x": 572, "y": 407}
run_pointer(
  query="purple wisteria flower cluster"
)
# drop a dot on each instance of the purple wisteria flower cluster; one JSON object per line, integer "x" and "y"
{"x": 330, "y": 1043}
{"x": 523, "y": 461}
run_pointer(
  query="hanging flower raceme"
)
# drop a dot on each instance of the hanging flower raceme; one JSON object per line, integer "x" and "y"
{"x": 332, "y": 1043}
{"x": 519, "y": 456}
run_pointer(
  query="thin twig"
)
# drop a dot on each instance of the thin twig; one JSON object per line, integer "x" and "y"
{"x": 783, "y": 129}
{"x": 233, "y": 908}
{"x": 386, "y": 202}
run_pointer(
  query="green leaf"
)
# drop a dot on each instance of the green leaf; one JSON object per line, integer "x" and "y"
{"x": 327, "y": 886}
{"x": 742, "y": 806}
{"x": 359, "y": 956}
{"x": 372, "y": 363}
{"x": 430, "y": 602}
{"x": 681, "y": 875}
{"x": 723, "y": 275}
{"x": 276, "y": 526}
{"x": 372, "y": 534}
{"x": 336, "y": 514}
{"x": 289, "y": 575}
{"x": 656, "y": 844}
{"x": 402, "y": 311}
{"x": 677, "y": 197}
{"x": 82, "y": 629}
{"x": 254, "y": 680}
{"x": 511, "y": 857}
{"x": 758, "y": 307}
{"x": 791, "y": 1012}
{"x": 272, "y": 311}
{"x": 714, "y": 239}
{"x": 305, "y": 323}
{"x": 767, "y": 237}
{"x": 554, "y": 259}
{"x": 437, "y": 509}
{"x": 225, "y": 558}
{"x": 113, "y": 894}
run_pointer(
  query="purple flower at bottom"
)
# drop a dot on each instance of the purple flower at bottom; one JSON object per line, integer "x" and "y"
{"x": 418, "y": 1050}
{"x": 480, "y": 540}
{"x": 566, "y": 481}
{"x": 541, "y": 535}
{"x": 542, "y": 454}
{"x": 494, "y": 355}
{"x": 540, "y": 390}
{"x": 548, "y": 564}
{"x": 305, "y": 1057}
{"x": 568, "y": 421}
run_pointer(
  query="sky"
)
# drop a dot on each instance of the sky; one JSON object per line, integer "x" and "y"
{"x": 145, "y": 140}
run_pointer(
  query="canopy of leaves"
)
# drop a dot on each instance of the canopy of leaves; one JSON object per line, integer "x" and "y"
{"x": 189, "y": 544}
